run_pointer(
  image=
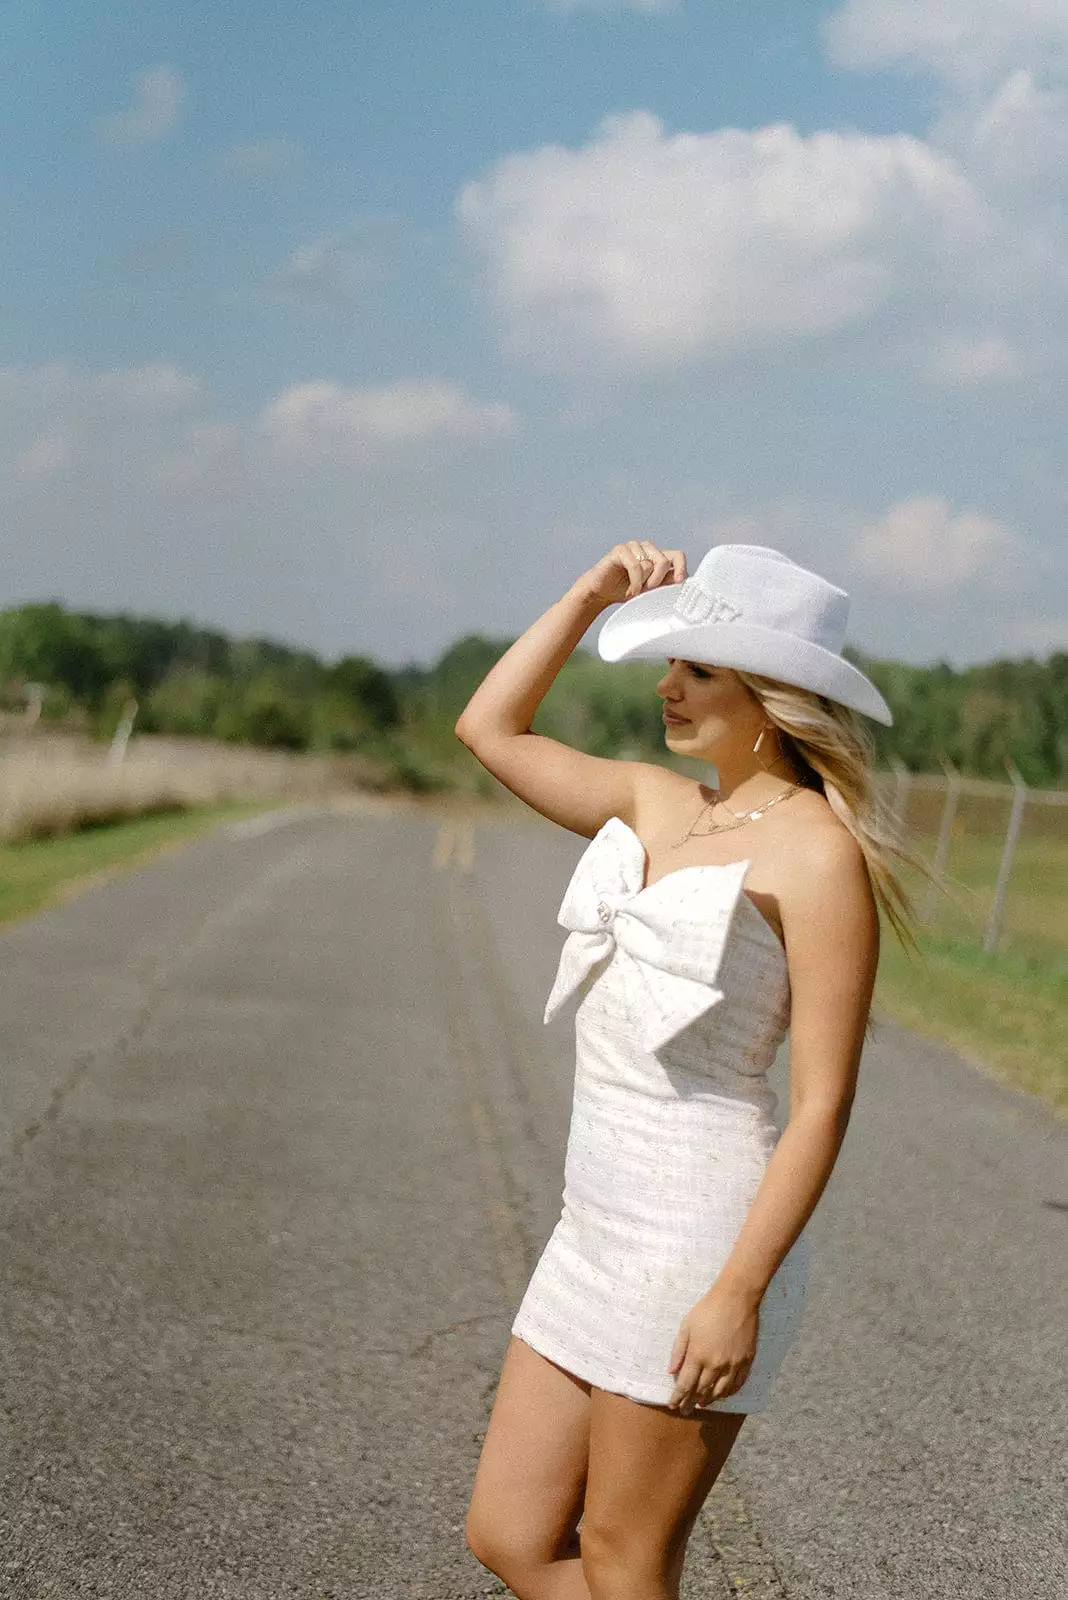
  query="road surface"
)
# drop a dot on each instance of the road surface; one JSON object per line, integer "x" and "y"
{"x": 282, "y": 1136}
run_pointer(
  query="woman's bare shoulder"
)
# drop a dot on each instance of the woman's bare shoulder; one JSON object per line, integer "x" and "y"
{"x": 817, "y": 864}
{"x": 807, "y": 836}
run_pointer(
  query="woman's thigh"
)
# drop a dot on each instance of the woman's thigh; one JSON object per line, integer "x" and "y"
{"x": 649, "y": 1473}
{"x": 527, "y": 1495}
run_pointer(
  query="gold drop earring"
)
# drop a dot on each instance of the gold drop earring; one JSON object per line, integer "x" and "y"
{"x": 760, "y": 740}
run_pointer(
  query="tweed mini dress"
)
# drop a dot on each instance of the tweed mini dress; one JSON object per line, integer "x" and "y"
{"x": 684, "y": 999}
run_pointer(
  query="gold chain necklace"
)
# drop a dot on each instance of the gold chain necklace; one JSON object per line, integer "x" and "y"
{"x": 740, "y": 817}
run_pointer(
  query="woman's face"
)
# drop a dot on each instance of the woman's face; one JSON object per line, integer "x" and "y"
{"x": 719, "y": 709}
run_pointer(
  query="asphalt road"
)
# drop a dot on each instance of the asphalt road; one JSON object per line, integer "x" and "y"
{"x": 282, "y": 1135}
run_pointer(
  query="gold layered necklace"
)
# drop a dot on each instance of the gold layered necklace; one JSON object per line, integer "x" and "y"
{"x": 739, "y": 818}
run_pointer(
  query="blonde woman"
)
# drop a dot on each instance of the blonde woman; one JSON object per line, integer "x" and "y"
{"x": 702, "y": 921}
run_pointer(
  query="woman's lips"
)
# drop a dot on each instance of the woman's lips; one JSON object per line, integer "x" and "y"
{"x": 670, "y": 718}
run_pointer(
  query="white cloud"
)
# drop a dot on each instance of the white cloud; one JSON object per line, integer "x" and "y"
{"x": 159, "y": 386}
{"x": 373, "y": 520}
{"x": 324, "y": 417}
{"x": 1001, "y": 67}
{"x": 986, "y": 358}
{"x": 54, "y": 419}
{"x": 926, "y": 580}
{"x": 922, "y": 543}
{"x": 1017, "y": 135}
{"x": 54, "y": 415}
{"x": 960, "y": 40}
{"x": 176, "y": 509}
{"x": 158, "y": 99}
{"x": 52, "y": 449}
{"x": 650, "y": 248}
{"x": 255, "y": 159}
{"x": 156, "y": 387}
{"x": 335, "y": 269}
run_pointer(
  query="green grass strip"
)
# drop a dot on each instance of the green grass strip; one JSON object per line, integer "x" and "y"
{"x": 1007, "y": 1014}
{"x": 39, "y": 872}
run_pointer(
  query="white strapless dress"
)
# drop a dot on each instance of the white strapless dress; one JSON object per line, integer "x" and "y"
{"x": 685, "y": 1001}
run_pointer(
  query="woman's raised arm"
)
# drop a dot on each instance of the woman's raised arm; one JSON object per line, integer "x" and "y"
{"x": 578, "y": 791}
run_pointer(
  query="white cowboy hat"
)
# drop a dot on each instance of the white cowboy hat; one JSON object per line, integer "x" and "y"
{"x": 751, "y": 607}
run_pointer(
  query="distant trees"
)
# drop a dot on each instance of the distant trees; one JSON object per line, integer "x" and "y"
{"x": 446, "y": 687}
{"x": 196, "y": 681}
{"x": 193, "y": 681}
{"x": 979, "y": 717}
{"x": 45, "y": 644}
{"x": 357, "y": 681}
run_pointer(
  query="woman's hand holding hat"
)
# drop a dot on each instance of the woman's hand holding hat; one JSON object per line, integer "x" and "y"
{"x": 629, "y": 568}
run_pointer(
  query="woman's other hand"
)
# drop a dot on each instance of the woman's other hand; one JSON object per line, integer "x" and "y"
{"x": 713, "y": 1349}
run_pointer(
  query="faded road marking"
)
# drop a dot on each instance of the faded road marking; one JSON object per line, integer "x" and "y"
{"x": 454, "y": 843}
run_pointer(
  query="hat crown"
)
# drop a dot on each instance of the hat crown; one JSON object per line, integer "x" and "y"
{"x": 764, "y": 588}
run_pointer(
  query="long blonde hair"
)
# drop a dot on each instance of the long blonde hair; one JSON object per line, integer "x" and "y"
{"x": 836, "y": 752}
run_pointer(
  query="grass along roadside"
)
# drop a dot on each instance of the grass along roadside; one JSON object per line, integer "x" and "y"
{"x": 40, "y": 872}
{"x": 1006, "y": 1012}
{"x": 997, "y": 1011}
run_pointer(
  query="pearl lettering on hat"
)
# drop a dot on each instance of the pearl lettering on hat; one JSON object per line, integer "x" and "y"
{"x": 694, "y": 603}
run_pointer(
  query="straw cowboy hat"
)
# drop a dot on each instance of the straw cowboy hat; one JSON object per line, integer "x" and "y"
{"x": 750, "y": 607}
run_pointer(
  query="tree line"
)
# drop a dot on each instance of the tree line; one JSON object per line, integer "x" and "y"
{"x": 197, "y": 681}
{"x": 189, "y": 680}
{"x": 976, "y": 717}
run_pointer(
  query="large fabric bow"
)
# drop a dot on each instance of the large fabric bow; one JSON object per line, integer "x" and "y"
{"x": 675, "y": 930}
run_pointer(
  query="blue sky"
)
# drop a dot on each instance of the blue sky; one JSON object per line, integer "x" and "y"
{"x": 366, "y": 327}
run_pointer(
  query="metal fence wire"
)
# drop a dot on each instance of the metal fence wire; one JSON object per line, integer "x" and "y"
{"x": 1004, "y": 849}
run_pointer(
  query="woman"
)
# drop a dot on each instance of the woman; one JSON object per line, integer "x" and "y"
{"x": 671, "y": 1287}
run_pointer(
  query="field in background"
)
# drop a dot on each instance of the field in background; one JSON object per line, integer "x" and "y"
{"x": 70, "y": 815}
{"x": 1007, "y": 1010}
{"x": 52, "y": 785}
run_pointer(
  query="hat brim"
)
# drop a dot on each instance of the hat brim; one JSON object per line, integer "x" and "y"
{"x": 650, "y": 632}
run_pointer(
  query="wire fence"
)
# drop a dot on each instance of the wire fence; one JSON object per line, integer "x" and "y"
{"x": 1004, "y": 848}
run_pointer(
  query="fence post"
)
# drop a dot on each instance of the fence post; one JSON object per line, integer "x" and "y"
{"x": 945, "y": 829}
{"x": 901, "y": 789}
{"x": 997, "y": 910}
{"x": 35, "y": 693}
{"x": 121, "y": 738}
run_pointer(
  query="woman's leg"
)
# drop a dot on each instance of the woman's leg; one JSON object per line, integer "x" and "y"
{"x": 527, "y": 1496}
{"x": 649, "y": 1473}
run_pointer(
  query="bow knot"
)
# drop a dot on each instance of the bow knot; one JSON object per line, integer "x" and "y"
{"x": 676, "y": 937}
